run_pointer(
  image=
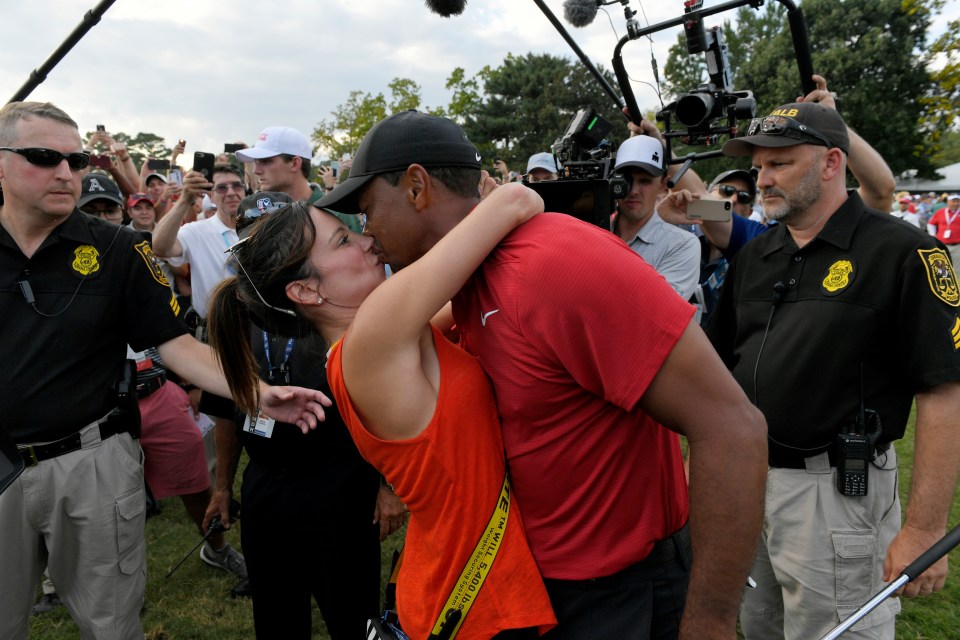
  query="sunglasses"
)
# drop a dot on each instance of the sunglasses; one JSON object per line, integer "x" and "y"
{"x": 788, "y": 128}
{"x": 727, "y": 190}
{"x": 233, "y": 252}
{"x": 50, "y": 158}
{"x": 223, "y": 187}
{"x": 251, "y": 215}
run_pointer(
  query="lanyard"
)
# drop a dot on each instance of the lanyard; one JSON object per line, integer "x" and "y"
{"x": 283, "y": 365}
{"x": 475, "y": 572}
{"x": 950, "y": 218}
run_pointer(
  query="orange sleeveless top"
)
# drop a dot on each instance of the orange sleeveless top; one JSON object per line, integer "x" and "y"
{"x": 450, "y": 477}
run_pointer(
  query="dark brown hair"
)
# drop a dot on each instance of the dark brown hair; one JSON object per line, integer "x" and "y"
{"x": 275, "y": 254}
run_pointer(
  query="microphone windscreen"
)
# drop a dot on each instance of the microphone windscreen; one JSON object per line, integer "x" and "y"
{"x": 580, "y": 13}
{"x": 446, "y": 8}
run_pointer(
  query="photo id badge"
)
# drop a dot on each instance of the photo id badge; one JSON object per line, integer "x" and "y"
{"x": 259, "y": 425}
{"x": 946, "y": 234}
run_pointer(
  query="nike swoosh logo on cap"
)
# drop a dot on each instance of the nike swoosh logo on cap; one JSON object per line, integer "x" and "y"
{"x": 478, "y": 157}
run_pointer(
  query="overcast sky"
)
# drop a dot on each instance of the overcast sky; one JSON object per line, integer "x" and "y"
{"x": 213, "y": 71}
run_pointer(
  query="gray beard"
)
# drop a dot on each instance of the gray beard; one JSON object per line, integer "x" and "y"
{"x": 795, "y": 204}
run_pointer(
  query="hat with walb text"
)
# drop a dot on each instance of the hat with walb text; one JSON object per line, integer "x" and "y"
{"x": 393, "y": 144}
{"x": 793, "y": 124}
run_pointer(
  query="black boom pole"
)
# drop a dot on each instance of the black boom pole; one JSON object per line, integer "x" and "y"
{"x": 38, "y": 75}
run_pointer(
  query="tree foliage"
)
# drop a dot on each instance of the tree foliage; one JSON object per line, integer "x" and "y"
{"x": 874, "y": 56}
{"x": 527, "y": 103}
{"x": 512, "y": 111}
{"x": 141, "y": 146}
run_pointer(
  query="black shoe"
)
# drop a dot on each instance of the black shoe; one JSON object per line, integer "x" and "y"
{"x": 47, "y": 602}
{"x": 242, "y": 590}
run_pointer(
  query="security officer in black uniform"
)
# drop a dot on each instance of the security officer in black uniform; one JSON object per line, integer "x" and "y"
{"x": 309, "y": 502}
{"x": 74, "y": 291}
{"x": 833, "y": 323}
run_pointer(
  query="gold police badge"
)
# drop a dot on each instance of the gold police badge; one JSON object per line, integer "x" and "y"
{"x": 838, "y": 276}
{"x": 153, "y": 264}
{"x": 85, "y": 260}
{"x": 940, "y": 275}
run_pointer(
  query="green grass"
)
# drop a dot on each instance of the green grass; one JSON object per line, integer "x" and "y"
{"x": 196, "y": 604}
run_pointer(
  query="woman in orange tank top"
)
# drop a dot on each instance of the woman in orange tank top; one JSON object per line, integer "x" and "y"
{"x": 420, "y": 409}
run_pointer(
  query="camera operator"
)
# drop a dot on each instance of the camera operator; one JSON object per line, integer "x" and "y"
{"x": 673, "y": 252}
{"x": 876, "y": 189}
{"x": 838, "y": 283}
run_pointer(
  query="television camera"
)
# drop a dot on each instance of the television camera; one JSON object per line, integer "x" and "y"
{"x": 587, "y": 184}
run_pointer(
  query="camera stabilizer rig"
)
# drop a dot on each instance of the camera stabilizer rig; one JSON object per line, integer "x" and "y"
{"x": 709, "y": 110}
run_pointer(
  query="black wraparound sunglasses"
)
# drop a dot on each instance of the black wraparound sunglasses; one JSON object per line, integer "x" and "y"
{"x": 727, "y": 190}
{"x": 51, "y": 158}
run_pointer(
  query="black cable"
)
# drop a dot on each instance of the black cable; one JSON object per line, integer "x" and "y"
{"x": 27, "y": 291}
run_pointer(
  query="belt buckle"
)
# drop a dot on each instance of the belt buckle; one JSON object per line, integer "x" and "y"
{"x": 30, "y": 455}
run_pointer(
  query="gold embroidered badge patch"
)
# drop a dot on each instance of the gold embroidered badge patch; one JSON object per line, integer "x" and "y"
{"x": 85, "y": 260}
{"x": 153, "y": 263}
{"x": 940, "y": 274}
{"x": 838, "y": 276}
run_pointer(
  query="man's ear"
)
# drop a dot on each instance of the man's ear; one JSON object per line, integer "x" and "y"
{"x": 419, "y": 188}
{"x": 296, "y": 163}
{"x": 833, "y": 164}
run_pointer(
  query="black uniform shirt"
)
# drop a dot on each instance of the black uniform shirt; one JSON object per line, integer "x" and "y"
{"x": 325, "y": 455}
{"x": 868, "y": 289}
{"x": 58, "y": 374}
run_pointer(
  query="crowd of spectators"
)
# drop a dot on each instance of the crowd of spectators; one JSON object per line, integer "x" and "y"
{"x": 189, "y": 227}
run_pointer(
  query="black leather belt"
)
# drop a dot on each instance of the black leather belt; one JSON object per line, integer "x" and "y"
{"x": 794, "y": 461}
{"x": 110, "y": 426}
{"x": 144, "y": 389}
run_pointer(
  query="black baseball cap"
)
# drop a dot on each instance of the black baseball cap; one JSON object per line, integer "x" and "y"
{"x": 793, "y": 124}
{"x": 396, "y": 142}
{"x": 255, "y": 206}
{"x": 99, "y": 186}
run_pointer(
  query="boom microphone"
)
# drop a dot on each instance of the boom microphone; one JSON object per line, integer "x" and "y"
{"x": 446, "y": 8}
{"x": 580, "y": 13}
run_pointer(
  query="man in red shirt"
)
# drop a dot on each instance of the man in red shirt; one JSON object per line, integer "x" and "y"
{"x": 945, "y": 224}
{"x": 591, "y": 355}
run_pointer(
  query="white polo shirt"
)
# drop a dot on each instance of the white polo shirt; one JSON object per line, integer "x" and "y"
{"x": 204, "y": 243}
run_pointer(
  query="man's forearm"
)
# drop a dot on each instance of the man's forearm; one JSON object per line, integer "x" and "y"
{"x": 165, "y": 233}
{"x": 877, "y": 184}
{"x": 936, "y": 458}
{"x": 727, "y": 485}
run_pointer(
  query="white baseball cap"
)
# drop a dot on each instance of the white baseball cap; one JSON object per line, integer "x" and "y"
{"x": 542, "y": 160}
{"x": 644, "y": 152}
{"x": 274, "y": 141}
